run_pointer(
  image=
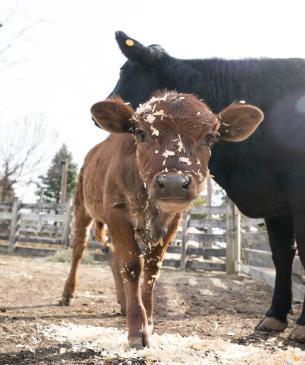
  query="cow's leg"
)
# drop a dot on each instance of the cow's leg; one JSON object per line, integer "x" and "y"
{"x": 114, "y": 263}
{"x": 298, "y": 332}
{"x": 81, "y": 233}
{"x": 281, "y": 237}
{"x": 131, "y": 267}
{"x": 152, "y": 264}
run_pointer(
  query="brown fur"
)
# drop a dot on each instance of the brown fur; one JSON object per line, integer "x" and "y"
{"x": 117, "y": 187}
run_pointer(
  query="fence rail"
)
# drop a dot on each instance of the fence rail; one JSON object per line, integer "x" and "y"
{"x": 200, "y": 242}
{"x": 48, "y": 223}
{"x": 209, "y": 238}
{"x": 257, "y": 257}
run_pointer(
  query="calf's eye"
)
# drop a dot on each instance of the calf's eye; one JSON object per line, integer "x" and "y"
{"x": 208, "y": 139}
{"x": 141, "y": 135}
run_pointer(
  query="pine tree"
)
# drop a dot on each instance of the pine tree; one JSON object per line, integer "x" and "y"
{"x": 50, "y": 184}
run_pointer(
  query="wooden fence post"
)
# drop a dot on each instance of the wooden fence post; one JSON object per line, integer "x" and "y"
{"x": 67, "y": 224}
{"x": 14, "y": 225}
{"x": 233, "y": 254}
{"x": 186, "y": 218}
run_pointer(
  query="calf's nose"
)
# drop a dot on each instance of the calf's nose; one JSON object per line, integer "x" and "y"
{"x": 173, "y": 183}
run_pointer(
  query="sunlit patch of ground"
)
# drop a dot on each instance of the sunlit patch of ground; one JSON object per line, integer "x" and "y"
{"x": 199, "y": 318}
{"x": 168, "y": 349}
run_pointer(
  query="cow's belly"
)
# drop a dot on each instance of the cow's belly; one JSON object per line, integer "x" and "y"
{"x": 257, "y": 193}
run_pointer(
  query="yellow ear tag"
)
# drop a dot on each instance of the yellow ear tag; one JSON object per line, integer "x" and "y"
{"x": 129, "y": 42}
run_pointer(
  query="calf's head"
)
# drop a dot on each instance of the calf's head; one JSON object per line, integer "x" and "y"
{"x": 173, "y": 135}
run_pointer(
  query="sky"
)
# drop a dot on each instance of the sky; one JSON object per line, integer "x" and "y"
{"x": 68, "y": 59}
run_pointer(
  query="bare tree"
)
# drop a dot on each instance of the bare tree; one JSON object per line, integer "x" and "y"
{"x": 11, "y": 38}
{"x": 25, "y": 150}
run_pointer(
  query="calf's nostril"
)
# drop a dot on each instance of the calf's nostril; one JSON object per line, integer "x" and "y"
{"x": 161, "y": 181}
{"x": 186, "y": 182}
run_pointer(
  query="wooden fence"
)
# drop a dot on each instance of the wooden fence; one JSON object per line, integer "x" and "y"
{"x": 206, "y": 239}
{"x": 25, "y": 227}
{"x": 209, "y": 238}
{"x": 257, "y": 258}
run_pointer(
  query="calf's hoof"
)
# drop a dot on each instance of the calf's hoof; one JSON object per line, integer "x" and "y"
{"x": 138, "y": 342}
{"x": 298, "y": 333}
{"x": 271, "y": 324}
{"x": 150, "y": 327}
{"x": 66, "y": 299}
{"x": 123, "y": 310}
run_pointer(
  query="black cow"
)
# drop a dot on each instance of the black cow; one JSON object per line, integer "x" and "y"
{"x": 264, "y": 175}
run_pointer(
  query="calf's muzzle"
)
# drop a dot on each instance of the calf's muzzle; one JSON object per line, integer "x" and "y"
{"x": 173, "y": 185}
{"x": 174, "y": 192}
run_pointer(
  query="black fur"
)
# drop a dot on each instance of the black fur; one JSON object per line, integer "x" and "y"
{"x": 264, "y": 175}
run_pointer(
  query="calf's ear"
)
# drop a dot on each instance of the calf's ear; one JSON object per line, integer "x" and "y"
{"x": 238, "y": 121}
{"x": 113, "y": 115}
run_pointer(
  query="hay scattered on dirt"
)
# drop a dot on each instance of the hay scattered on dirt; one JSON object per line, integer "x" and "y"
{"x": 169, "y": 349}
{"x": 65, "y": 255}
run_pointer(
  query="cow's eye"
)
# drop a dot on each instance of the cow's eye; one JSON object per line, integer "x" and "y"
{"x": 208, "y": 139}
{"x": 141, "y": 135}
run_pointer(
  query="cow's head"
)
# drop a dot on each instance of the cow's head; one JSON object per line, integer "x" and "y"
{"x": 139, "y": 76}
{"x": 174, "y": 133}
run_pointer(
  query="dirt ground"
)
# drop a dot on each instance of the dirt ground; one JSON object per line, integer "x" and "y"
{"x": 210, "y": 305}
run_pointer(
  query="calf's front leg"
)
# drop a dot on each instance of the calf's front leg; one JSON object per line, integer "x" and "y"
{"x": 131, "y": 266}
{"x": 152, "y": 264}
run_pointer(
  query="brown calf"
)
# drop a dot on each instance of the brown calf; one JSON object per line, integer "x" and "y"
{"x": 139, "y": 180}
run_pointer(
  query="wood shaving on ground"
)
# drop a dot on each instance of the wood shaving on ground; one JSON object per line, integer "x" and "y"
{"x": 168, "y": 349}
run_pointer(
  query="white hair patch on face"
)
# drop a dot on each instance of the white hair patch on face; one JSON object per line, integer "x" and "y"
{"x": 198, "y": 114}
{"x": 142, "y": 108}
{"x": 168, "y": 153}
{"x": 200, "y": 175}
{"x": 180, "y": 144}
{"x": 185, "y": 160}
{"x": 154, "y": 131}
{"x": 150, "y": 118}
{"x": 160, "y": 113}
{"x": 160, "y": 98}
{"x": 197, "y": 162}
{"x": 156, "y": 151}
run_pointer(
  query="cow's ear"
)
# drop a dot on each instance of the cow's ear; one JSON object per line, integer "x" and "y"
{"x": 113, "y": 115}
{"x": 238, "y": 121}
{"x": 136, "y": 52}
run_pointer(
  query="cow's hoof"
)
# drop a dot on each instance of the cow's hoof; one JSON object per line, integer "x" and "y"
{"x": 298, "y": 333}
{"x": 138, "y": 343}
{"x": 271, "y": 324}
{"x": 66, "y": 300}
